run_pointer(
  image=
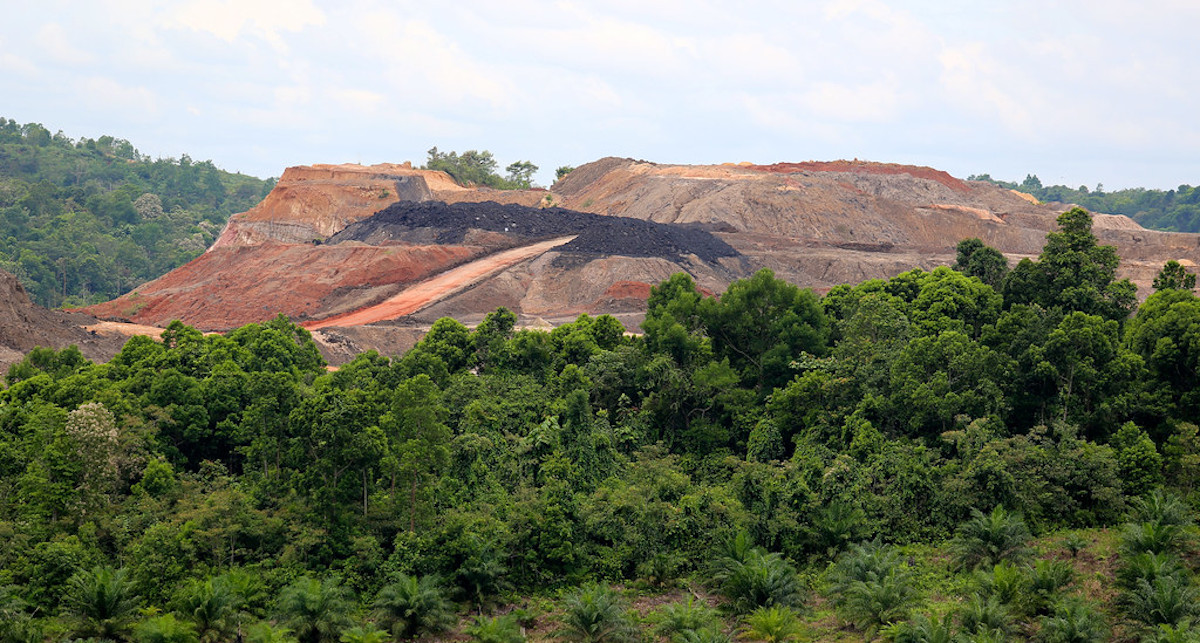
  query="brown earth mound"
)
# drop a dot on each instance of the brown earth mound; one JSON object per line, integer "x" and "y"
{"x": 25, "y": 326}
{"x": 230, "y": 287}
{"x": 865, "y": 167}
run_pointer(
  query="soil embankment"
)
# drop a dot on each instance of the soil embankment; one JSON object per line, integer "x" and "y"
{"x": 25, "y": 326}
{"x": 425, "y": 293}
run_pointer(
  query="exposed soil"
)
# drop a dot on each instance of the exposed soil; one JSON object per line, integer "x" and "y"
{"x": 230, "y": 287}
{"x": 25, "y": 326}
{"x": 865, "y": 167}
{"x": 424, "y": 293}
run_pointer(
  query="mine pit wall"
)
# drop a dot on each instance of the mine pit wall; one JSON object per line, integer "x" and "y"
{"x": 311, "y": 203}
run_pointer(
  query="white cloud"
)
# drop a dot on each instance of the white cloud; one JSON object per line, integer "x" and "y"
{"x": 53, "y": 40}
{"x": 231, "y": 19}
{"x": 103, "y": 93}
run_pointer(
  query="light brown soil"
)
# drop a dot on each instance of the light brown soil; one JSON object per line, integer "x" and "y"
{"x": 424, "y": 293}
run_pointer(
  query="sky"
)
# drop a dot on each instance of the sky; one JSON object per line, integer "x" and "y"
{"x": 1076, "y": 92}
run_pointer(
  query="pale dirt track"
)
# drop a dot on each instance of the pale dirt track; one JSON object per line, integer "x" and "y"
{"x": 426, "y": 292}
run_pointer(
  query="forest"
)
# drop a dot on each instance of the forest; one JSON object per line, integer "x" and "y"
{"x": 84, "y": 221}
{"x": 1175, "y": 210}
{"x": 970, "y": 453}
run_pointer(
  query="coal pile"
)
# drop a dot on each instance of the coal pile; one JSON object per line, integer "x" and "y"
{"x": 602, "y": 235}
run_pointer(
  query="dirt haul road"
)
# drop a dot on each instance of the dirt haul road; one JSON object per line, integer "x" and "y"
{"x": 424, "y": 293}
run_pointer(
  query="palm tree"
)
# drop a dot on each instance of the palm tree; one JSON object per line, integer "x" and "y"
{"x": 1148, "y": 566}
{"x": 499, "y": 629}
{"x": 100, "y": 604}
{"x": 678, "y": 618}
{"x": 1161, "y": 507}
{"x": 264, "y": 632}
{"x": 1153, "y": 537}
{"x": 876, "y": 603}
{"x": 921, "y": 629}
{"x": 317, "y": 611}
{"x": 1167, "y": 600}
{"x": 1046, "y": 580}
{"x": 987, "y": 539}
{"x": 1073, "y": 622}
{"x": 775, "y": 624}
{"x": 595, "y": 614}
{"x": 364, "y": 634}
{"x": 214, "y": 608}
{"x": 165, "y": 629}
{"x": 1182, "y": 633}
{"x": 985, "y": 616}
{"x": 760, "y": 580}
{"x": 413, "y": 605}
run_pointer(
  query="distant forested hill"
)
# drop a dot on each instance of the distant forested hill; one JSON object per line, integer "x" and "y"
{"x": 1175, "y": 210}
{"x": 82, "y": 221}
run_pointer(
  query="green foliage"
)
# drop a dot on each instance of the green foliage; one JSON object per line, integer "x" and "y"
{"x": 165, "y": 629}
{"x": 497, "y": 629}
{"x": 1167, "y": 600}
{"x": 876, "y": 603}
{"x": 1073, "y": 273}
{"x": 475, "y": 167}
{"x": 82, "y": 221}
{"x": 975, "y": 259}
{"x": 317, "y": 611}
{"x": 413, "y": 605}
{"x": 1176, "y": 210}
{"x": 595, "y": 613}
{"x": 921, "y": 629}
{"x": 364, "y": 634}
{"x": 762, "y": 324}
{"x": 750, "y": 577}
{"x": 982, "y": 616}
{"x": 988, "y": 539}
{"x": 1174, "y": 276}
{"x": 774, "y": 624}
{"x": 1073, "y": 621}
{"x": 677, "y": 619}
{"x": 100, "y": 603}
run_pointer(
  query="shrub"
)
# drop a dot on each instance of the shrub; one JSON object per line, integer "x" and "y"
{"x": 316, "y": 611}
{"x": 165, "y": 629}
{"x": 774, "y": 624}
{"x": 762, "y": 580}
{"x": 595, "y": 614}
{"x": 986, "y": 616}
{"x": 876, "y": 603}
{"x": 500, "y": 629}
{"x": 1073, "y": 622}
{"x": 678, "y": 618}
{"x": 1168, "y": 600}
{"x": 413, "y": 605}
{"x": 100, "y": 603}
{"x": 987, "y": 539}
{"x": 921, "y": 629}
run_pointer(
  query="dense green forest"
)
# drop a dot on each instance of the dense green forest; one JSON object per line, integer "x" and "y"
{"x": 83, "y": 221}
{"x": 1175, "y": 210}
{"x": 962, "y": 454}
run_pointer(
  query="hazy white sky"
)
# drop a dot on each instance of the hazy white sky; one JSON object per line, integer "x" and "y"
{"x": 1076, "y": 92}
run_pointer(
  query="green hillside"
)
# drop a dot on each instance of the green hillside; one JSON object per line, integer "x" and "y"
{"x": 969, "y": 454}
{"x": 83, "y": 221}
